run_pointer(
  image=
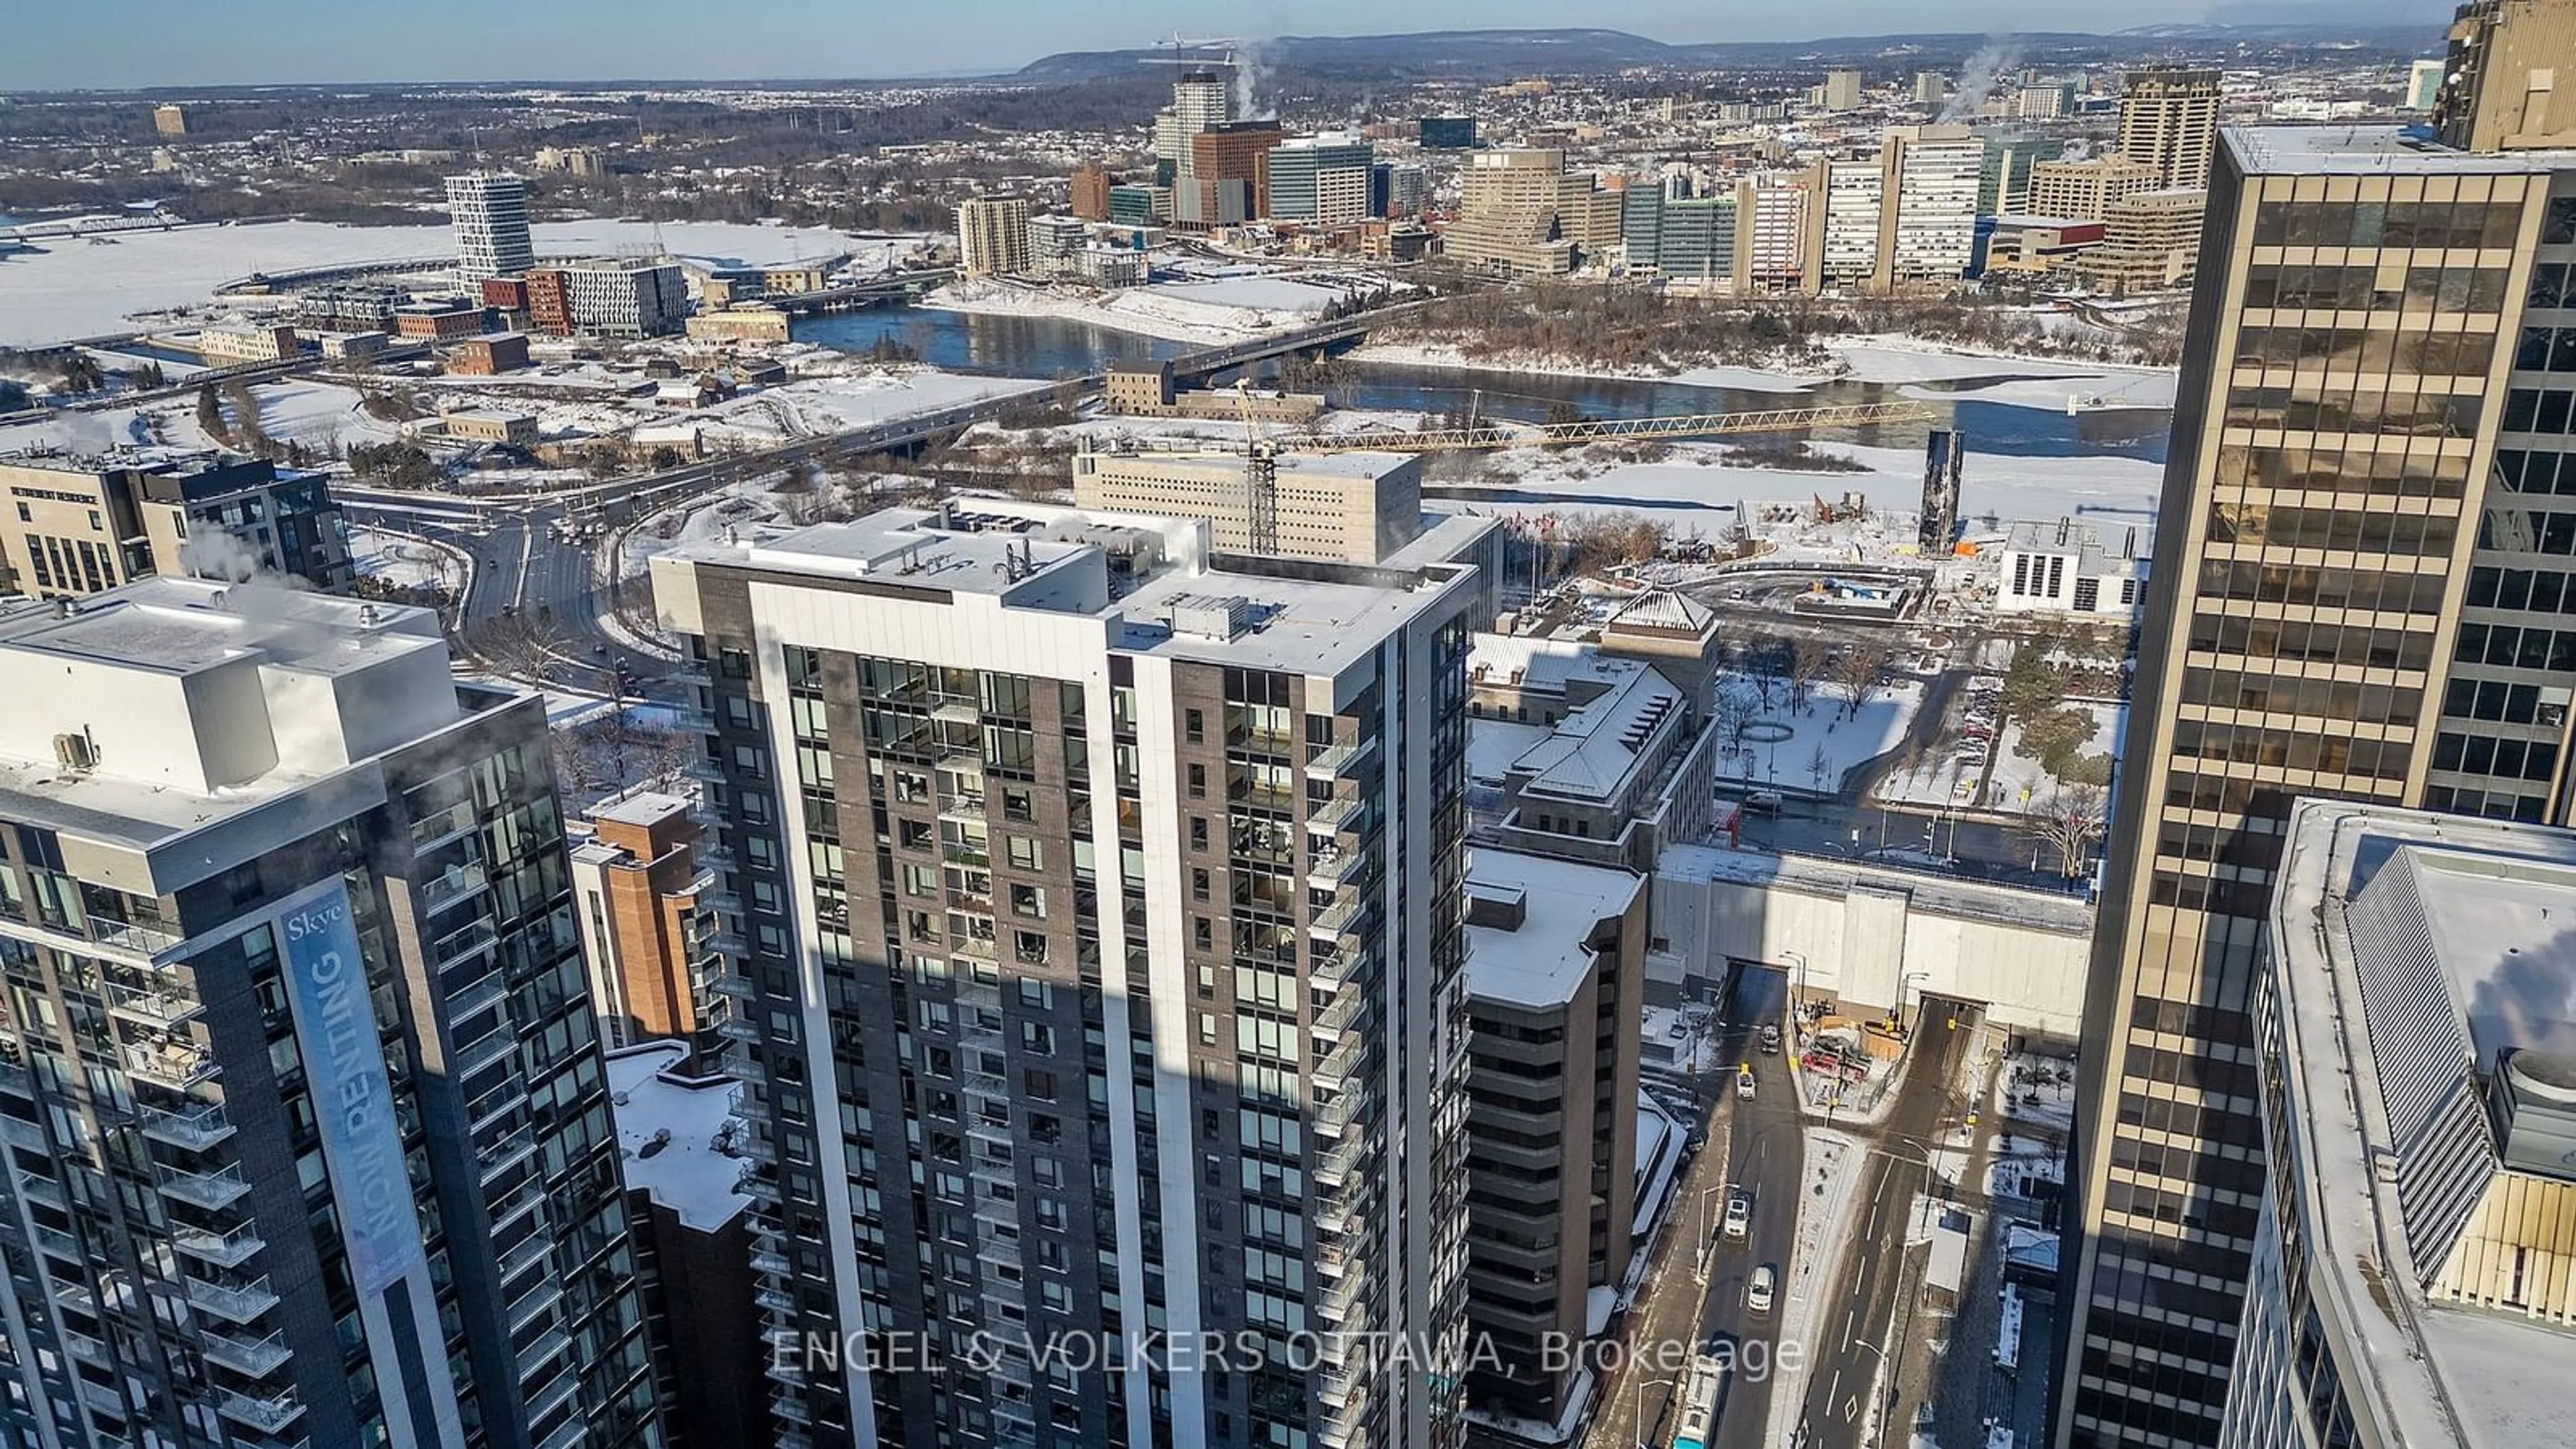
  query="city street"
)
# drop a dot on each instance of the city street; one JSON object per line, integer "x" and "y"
{"x": 1754, "y": 1145}
{"x": 1869, "y": 1308}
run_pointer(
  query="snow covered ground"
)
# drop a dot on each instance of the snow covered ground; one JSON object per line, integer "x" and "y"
{"x": 2020, "y": 782}
{"x": 819, "y": 405}
{"x": 84, "y": 288}
{"x": 402, "y": 562}
{"x": 1822, "y": 744}
{"x": 1211, "y": 313}
{"x": 1693, "y": 494}
{"x": 1447, "y": 357}
{"x": 2034, "y": 1091}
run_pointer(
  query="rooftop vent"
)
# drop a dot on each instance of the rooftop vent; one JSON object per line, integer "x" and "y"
{"x": 2536, "y": 1113}
{"x": 1209, "y": 616}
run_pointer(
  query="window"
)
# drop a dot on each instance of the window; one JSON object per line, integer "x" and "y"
{"x": 1024, "y": 852}
{"x": 1195, "y": 722}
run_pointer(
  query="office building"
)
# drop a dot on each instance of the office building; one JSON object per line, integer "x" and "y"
{"x": 637, "y": 881}
{"x": 1150, "y": 390}
{"x": 1847, "y": 200}
{"x": 488, "y": 356}
{"x": 2042, "y": 101}
{"x": 1772, "y": 215}
{"x": 1202, "y": 99}
{"x": 2003, "y": 183}
{"x": 586, "y": 162}
{"x": 2500, "y": 86}
{"x": 1399, "y": 190}
{"x": 2150, "y": 242}
{"x": 1623, "y": 770}
{"x": 1054, "y": 244}
{"x": 993, "y": 236}
{"x": 244, "y": 343}
{"x": 310, "y": 1133}
{"x": 1522, "y": 213}
{"x": 1090, "y": 192}
{"x": 2086, "y": 190}
{"x": 2411, "y": 1279}
{"x": 1321, "y": 179}
{"x": 1230, "y": 170}
{"x": 1841, "y": 90}
{"x": 1333, "y": 507}
{"x": 2412, "y": 663}
{"x": 1449, "y": 133}
{"x": 1688, "y": 241}
{"x": 77, "y": 526}
{"x": 623, "y": 298}
{"x": 1556, "y": 985}
{"x": 2423, "y": 85}
{"x": 490, "y": 213}
{"x": 2069, "y": 568}
{"x": 349, "y": 307}
{"x": 1147, "y": 1004}
{"x": 1928, "y": 228}
{"x": 170, "y": 120}
{"x": 684, "y": 1151}
{"x": 2169, "y": 123}
{"x": 1138, "y": 205}
{"x": 1931, "y": 88}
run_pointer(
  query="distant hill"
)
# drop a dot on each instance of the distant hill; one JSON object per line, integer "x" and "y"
{"x": 1501, "y": 53}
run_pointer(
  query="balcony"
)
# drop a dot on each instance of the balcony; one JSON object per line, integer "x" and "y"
{"x": 240, "y": 1303}
{"x": 433, "y": 830}
{"x": 57, "y": 1242}
{"x": 224, "y": 1250}
{"x": 14, "y": 1077}
{"x": 194, "y": 1130}
{"x": 1333, "y": 868}
{"x": 1336, "y": 1116}
{"x": 732, "y": 984}
{"x": 482, "y": 994}
{"x": 82, "y": 1346}
{"x": 509, "y": 1152}
{"x": 963, "y": 806}
{"x": 1337, "y": 1017}
{"x": 161, "y": 1006}
{"x": 1342, "y": 1062}
{"x": 24, "y": 1135}
{"x": 1342, "y": 919}
{"x": 177, "y": 1065}
{"x": 748, "y": 1105}
{"x": 703, "y": 770}
{"x": 142, "y": 938}
{"x": 269, "y": 1416}
{"x": 213, "y": 1191}
{"x": 455, "y": 884}
{"x": 483, "y": 1051}
{"x": 737, "y": 1029}
{"x": 1333, "y": 816}
{"x": 772, "y": 1265}
{"x": 1337, "y": 1164}
{"x": 45, "y": 1190}
{"x": 524, "y": 1254}
{"x": 774, "y": 1301}
{"x": 1339, "y": 761}
{"x": 538, "y": 1300}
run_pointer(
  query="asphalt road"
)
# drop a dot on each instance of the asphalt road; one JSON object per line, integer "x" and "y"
{"x": 1693, "y": 1298}
{"x": 1866, "y": 1312}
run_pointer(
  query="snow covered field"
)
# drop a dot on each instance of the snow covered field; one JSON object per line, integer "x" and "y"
{"x": 835, "y": 404}
{"x": 1822, "y": 743}
{"x": 2020, "y": 782}
{"x": 403, "y": 562}
{"x": 1211, "y": 313}
{"x": 1442, "y": 355}
{"x": 1693, "y": 494}
{"x": 84, "y": 289}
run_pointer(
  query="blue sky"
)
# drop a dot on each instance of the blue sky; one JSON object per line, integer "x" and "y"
{"x": 144, "y": 43}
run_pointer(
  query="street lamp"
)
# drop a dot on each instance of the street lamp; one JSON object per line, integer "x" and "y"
{"x": 1638, "y": 1426}
{"x": 1699, "y": 1269}
{"x": 1900, "y": 995}
{"x": 1797, "y": 989}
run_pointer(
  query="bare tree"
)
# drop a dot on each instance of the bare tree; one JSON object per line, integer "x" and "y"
{"x": 517, "y": 646}
{"x": 1819, "y": 765}
{"x": 1860, "y": 671}
{"x": 1765, "y": 659}
{"x": 1807, "y": 663}
{"x": 1732, "y": 710}
{"x": 2070, "y": 820}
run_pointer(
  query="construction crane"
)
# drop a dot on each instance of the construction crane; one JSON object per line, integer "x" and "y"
{"x": 1260, "y": 476}
{"x": 1181, "y": 57}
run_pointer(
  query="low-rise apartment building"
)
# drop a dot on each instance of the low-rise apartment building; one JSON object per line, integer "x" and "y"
{"x": 71, "y": 526}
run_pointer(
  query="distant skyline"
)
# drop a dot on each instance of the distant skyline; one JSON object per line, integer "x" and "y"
{"x": 143, "y": 44}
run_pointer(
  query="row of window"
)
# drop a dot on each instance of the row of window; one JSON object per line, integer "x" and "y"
{"x": 2511, "y": 647}
{"x": 2483, "y": 755}
{"x": 2423, "y": 416}
{"x": 2335, "y": 699}
{"x": 2291, "y": 749}
{"x": 2374, "y": 352}
{"x": 2536, "y": 591}
{"x": 2491, "y": 699}
{"x": 2387, "y": 224}
{"x": 2381, "y": 465}
{"x": 2326, "y": 287}
{"x": 2526, "y": 472}
{"x": 2370, "y": 590}
{"x": 2515, "y": 530}
{"x": 2346, "y": 530}
{"x": 2317, "y": 641}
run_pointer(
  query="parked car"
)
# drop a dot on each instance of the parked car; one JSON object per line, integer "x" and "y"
{"x": 1759, "y": 1290}
{"x": 1771, "y": 1041}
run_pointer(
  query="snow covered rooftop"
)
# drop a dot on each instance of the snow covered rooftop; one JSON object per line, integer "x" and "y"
{"x": 2414, "y": 954}
{"x": 640, "y": 807}
{"x": 2372, "y": 150}
{"x": 1592, "y": 751}
{"x": 1558, "y": 905}
{"x": 687, "y": 1171}
{"x": 1663, "y": 609}
{"x": 1292, "y": 616}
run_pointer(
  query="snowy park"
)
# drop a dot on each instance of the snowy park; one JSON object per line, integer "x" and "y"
{"x": 1776, "y": 735}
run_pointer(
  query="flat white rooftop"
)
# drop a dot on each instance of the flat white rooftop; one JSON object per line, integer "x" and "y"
{"x": 2373, "y": 151}
{"x": 1542, "y": 962}
{"x": 2409, "y": 950}
{"x": 668, "y": 1130}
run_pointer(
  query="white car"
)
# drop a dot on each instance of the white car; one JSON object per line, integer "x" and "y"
{"x": 1739, "y": 1214}
{"x": 1744, "y": 1083}
{"x": 1759, "y": 1289}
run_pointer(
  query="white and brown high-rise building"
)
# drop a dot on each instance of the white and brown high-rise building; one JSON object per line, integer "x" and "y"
{"x": 1098, "y": 909}
{"x": 2169, "y": 123}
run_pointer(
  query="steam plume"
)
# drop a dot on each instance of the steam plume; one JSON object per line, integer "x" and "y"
{"x": 1977, "y": 77}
